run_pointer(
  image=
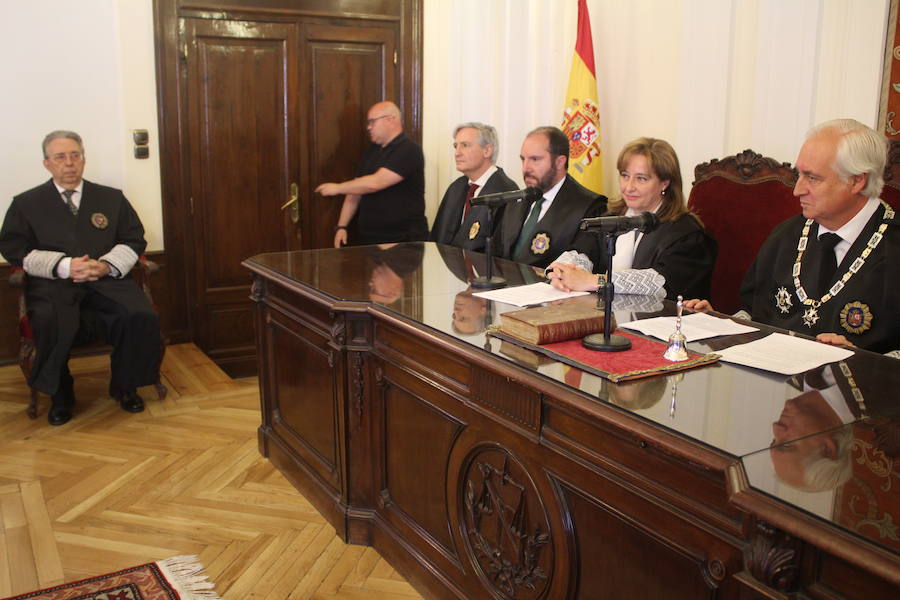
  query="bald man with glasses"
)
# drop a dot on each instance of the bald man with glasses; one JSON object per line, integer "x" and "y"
{"x": 388, "y": 193}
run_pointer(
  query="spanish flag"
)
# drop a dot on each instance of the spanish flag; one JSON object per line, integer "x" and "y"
{"x": 581, "y": 118}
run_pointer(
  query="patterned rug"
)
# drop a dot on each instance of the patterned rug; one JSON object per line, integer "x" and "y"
{"x": 178, "y": 578}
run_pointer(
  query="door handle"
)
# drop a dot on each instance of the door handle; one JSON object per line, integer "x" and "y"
{"x": 294, "y": 203}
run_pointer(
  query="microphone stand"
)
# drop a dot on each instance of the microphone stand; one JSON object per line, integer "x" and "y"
{"x": 607, "y": 342}
{"x": 488, "y": 281}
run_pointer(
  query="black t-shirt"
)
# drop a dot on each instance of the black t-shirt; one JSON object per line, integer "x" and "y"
{"x": 397, "y": 213}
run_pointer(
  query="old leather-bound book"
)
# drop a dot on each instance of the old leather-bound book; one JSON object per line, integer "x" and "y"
{"x": 553, "y": 323}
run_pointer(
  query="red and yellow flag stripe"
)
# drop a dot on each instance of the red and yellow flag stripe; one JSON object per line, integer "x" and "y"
{"x": 581, "y": 117}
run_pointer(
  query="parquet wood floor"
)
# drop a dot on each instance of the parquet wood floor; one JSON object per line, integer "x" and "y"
{"x": 111, "y": 490}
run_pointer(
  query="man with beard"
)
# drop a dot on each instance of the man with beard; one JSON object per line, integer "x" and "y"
{"x": 536, "y": 233}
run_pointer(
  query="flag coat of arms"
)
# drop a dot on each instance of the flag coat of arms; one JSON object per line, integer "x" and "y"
{"x": 581, "y": 118}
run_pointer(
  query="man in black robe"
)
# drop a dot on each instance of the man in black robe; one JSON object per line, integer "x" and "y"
{"x": 831, "y": 272}
{"x": 537, "y": 232}
{"x": 457, "y": 223}
{"x": 78, "y": 241}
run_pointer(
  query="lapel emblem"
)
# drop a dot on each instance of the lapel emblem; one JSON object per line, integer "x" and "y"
{"x": 783, "y": 300}
{"x": 856, "y": 317}
{"x": 540, "y": 243}
{"x": 99, "y": 221}
{"x": 474, "y": 229}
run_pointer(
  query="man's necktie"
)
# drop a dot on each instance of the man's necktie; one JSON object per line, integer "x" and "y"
{"x": 528, "y": 227}
{"x": 473, "y": 187}
{"x": 71, "y": 205}
{"x": 828, "y": 261}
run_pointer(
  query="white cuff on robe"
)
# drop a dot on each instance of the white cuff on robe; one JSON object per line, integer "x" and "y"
{"x": 571, "y": 257}
{"x": 893, "y": 354}
{"x": 643, "y": 282}
{"x": 743, "y": 314}
{"x": 42, "y": 263}
{"x": 121, "y": 260}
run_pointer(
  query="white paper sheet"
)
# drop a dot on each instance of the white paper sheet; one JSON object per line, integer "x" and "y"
{"x": 695, "y": 326}
{"x": 785, "y": 354}
{"x": 527, "y": 295}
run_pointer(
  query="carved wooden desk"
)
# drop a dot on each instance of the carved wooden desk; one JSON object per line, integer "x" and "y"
{"x": 482, "y": 472}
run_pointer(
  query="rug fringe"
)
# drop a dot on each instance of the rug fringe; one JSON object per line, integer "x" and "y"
{"x": 185, "y": 573}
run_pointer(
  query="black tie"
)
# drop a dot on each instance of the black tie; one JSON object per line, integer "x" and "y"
{"x": 828, "y": 261}
{"x": 72, "y": 208}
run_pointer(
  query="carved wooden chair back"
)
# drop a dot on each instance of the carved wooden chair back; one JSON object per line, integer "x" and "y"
{"x": 27, "y": 351}
{"x": 891, "y": 191}
{"x": 740, "y": 199}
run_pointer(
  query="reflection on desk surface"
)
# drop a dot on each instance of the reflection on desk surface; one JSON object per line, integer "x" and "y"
{"x": 849, "y": 475}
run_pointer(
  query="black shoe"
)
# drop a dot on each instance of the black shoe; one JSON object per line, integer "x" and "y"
{"x": 59, "y": 414}
{"x": 62, "y": 402}
{"x": 130, "y": 401}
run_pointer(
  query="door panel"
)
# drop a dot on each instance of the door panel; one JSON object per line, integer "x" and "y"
{"x": 242, "y": 111}
{"x": 345, "y": 69}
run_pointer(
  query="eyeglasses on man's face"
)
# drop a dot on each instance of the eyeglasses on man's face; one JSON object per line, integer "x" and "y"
{"x": 370, "y": 122}
{"x": 61, "y": 157}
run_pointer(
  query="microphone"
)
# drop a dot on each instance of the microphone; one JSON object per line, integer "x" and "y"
{"x": 644, "y": 222}
{"x": 529, "y": 193}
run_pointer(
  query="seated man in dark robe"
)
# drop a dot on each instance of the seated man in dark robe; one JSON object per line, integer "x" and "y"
{"x": 830, "y": 271}
{"x": 78, "y": 241}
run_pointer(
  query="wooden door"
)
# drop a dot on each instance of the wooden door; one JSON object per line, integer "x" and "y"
{"x": 343, "y": 69}
{"x": 242, "y": 121}
{"x": 254, "y": 97}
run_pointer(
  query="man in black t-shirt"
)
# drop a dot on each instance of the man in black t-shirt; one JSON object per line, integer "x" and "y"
{"x": 388, "y": 191}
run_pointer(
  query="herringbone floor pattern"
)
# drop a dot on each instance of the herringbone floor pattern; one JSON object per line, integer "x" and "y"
{"x": 111, "y": 490}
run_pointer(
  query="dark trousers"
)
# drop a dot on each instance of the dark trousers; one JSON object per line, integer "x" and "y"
{"x": 65, "y": 314}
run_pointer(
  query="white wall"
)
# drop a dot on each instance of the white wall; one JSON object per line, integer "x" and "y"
{"x": 87, "y": 66}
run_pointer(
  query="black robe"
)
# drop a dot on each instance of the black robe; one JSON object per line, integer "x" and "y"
{"x": 682, "y": 251}
{"x": 869, "y": 301}
{"x": 39, "y": 220}
{"x": 556, "y": 230}
{"x": 449, "y": 227}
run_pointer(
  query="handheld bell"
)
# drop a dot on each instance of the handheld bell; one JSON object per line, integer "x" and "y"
{"x": 677, "y": 349}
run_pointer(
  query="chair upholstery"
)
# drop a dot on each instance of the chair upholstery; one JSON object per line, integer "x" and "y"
{"x": 891, "y": 191}
{"x": 141, "y": 273}
{"x": 740, "y": 199}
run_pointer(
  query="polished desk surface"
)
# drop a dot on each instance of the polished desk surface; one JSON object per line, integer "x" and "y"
{"x": 772, "y": 423}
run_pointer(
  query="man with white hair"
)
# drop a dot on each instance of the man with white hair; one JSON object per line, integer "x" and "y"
{"x": 831, "y": 272}
{"x": 458, "y": 223}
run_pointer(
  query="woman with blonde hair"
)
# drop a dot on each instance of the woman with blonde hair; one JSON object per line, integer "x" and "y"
{"x": 676, "y": 258}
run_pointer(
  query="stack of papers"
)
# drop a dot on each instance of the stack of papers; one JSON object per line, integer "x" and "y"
{"x": 527, "y": 295}
{"x": 785, "y": 354}
{"x": 695, "y": 326}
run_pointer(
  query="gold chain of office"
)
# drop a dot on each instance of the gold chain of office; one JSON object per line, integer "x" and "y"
{"x": 812, "y": 314}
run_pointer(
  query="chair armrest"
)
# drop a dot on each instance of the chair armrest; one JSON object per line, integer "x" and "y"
{"x": 17, "y": 277}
